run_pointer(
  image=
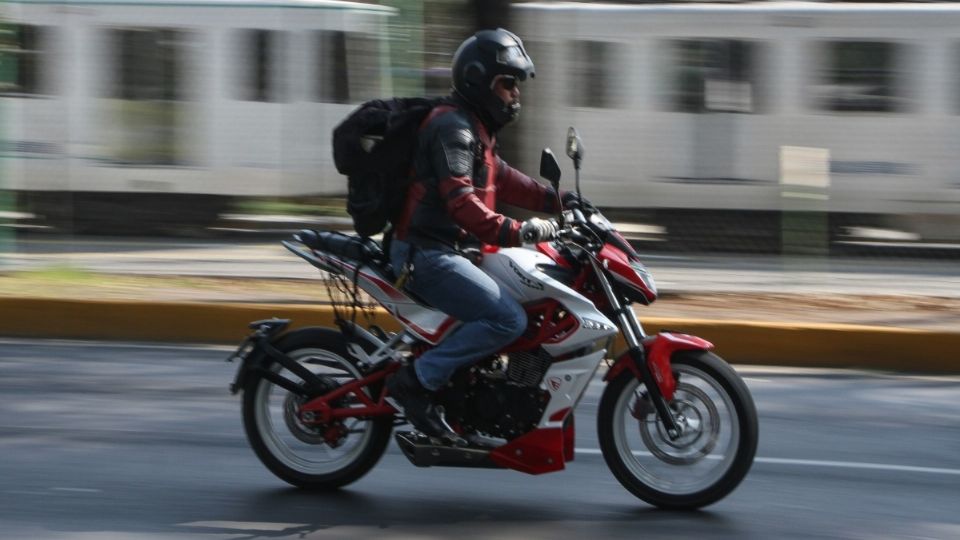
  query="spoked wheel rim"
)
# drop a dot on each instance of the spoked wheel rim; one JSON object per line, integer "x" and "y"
{"x": 295, "y": 444}
{"x": 700, "y": 456}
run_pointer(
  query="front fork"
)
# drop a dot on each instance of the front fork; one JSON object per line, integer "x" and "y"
{"x": 633, "y": 335}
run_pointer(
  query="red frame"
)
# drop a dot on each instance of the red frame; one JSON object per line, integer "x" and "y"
{"x": 551, "y": 331}
{"x": 325, "y": 413}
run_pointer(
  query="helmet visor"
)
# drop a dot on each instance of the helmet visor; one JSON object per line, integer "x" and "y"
{"x": 507, "y": 82}
{"x": 516, "y": 61}
{"x": 510, "y": 55}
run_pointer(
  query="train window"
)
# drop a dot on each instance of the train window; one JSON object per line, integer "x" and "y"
{"x": 348, "y": 67}
{"x": 23, "y": 47}
{"x": 712, "y": 75}
{"x": 366, "y": 66}
{"x": 260, "y": 65}
{"x": 332, "y": 76}
{"x": 146, "y": 113}
{"x": 591, "y": 74}
{"x": 858, "y": 76}
{"x": 148, "y": 64}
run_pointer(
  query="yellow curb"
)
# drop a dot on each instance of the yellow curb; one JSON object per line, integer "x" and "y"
{"x": 742, "y": 342}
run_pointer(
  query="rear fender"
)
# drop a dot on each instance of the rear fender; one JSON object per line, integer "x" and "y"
{"x": 253, "y": 351}
{"x": 659, "y": 350}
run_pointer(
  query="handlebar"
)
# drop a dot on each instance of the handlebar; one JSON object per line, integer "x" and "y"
{"x": 570, "y": 233}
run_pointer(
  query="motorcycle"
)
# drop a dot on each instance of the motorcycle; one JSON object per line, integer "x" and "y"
{"x": 677, "y": 426}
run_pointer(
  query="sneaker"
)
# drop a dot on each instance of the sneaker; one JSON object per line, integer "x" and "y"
{"x": 417, "y": 404}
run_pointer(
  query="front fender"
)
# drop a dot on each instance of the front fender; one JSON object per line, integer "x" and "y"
{"x": 659, "y": 350}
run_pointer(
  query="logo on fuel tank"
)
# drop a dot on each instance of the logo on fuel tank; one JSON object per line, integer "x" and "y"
{"x": 532, "y": 283}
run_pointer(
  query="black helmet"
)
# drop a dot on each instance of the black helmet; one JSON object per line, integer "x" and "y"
{"x": 479, "y": 60}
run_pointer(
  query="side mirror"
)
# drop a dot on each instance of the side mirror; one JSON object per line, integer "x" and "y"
{"x": 549, "y": 168}
{"x": 574, "y": 145}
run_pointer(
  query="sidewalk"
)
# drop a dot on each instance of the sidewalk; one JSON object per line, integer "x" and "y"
{"x": 900, "y": 314}
{"x": 790, "y": 330}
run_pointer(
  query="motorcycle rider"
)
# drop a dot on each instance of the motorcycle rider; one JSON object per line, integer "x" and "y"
{"x": 458, "y": 178}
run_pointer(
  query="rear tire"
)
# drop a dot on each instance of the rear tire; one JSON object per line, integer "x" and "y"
{"x": 702, "y": 466}
{"x": 296, "y": 453}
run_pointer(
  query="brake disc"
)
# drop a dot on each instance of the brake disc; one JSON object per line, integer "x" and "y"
{"x": 701, "y": 428}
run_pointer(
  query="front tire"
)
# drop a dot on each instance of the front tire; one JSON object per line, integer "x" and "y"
{"x": 704, "y": 464}
{"x": 300, "y": 454}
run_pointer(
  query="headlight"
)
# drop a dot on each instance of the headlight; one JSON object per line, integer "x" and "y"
{"x": 644, "y": 276}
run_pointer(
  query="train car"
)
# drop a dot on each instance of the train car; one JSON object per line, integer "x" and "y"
{"x": 145, "y": 112}
{"x": 718, "y": 116}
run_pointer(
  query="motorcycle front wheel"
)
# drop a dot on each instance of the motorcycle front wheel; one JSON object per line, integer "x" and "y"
{"x": 707, "y": 461}
{"x": 311, "y": 456}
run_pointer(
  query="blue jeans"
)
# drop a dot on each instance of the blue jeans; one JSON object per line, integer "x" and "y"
{"x": 491, "y": 318}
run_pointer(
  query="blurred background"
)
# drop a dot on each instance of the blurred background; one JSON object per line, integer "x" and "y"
{"x": 811, "y": 129}
{"x": 786, "y": 162}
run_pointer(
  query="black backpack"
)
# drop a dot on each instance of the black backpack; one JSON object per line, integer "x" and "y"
{"x": 374, "y": 148}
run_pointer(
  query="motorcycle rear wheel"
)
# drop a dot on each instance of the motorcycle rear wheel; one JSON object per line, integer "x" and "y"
{"x": 300, "y": 454}
{"x": 704, "y": 464}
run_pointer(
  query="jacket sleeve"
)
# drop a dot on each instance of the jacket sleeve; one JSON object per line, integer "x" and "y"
{"x": 518, "y": 189}
{"x": 452, "y": 156}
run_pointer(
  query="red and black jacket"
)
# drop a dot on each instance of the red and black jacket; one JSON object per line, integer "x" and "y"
{"x": 458, "y": 179}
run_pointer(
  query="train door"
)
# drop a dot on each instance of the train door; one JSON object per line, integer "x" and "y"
{"x": 716, "y": 161}
{"x": 149, "y": 105}
{"x": 714, "y": 79}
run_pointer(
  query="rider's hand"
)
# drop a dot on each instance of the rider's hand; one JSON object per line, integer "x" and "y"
{"x": 571, "y": 200}
{"x": 537, "y": 230}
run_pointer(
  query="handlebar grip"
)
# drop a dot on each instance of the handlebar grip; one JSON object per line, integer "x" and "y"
{"x": 578, "y": 215}
{"x": 574, "y": 235}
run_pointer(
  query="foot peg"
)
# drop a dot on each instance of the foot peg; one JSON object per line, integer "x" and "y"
{"x": 450, "y": 439}
{"x": 424, "y": 451}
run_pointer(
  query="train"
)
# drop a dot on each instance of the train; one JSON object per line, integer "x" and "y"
{"x": 128, "y": 114}
{"x": 744, "y": 120}
{"x": 706, "y": 119}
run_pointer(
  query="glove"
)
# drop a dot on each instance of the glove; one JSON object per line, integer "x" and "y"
{"x": 571, "y": 200}
{"x": 537, "y": 230}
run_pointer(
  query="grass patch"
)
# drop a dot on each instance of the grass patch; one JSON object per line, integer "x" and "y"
{"x": 55, "y": 274}
{"x": 72, "y": 283}
{"x": 302, "y": 206}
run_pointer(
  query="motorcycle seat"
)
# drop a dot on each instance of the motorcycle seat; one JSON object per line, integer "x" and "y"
{"x": 364, "y": 250}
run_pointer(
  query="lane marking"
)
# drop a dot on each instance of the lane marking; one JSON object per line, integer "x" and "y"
{"x": 858, "y": 465}
{"x": 76, "y": 490}
{"x": 245, "y": 525}
{"x": 822, "y": 463}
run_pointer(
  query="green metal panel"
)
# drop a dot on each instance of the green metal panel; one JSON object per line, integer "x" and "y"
{"x": 407, "y": 47}
{"x": 207, "y": 3}
{"x": 8, "y": 74}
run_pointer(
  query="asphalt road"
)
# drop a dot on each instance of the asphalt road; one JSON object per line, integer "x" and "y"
{"x": 106, "y": 440}
{"x": 678, "y": 273}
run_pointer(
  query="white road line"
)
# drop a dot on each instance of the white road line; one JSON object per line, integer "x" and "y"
{"x": 245, "y": 525}
{"x": 857, "y": 465}
{"x": 821, "y": 463}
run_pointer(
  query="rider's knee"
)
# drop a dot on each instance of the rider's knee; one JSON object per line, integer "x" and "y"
{"x": 515, "y": 322}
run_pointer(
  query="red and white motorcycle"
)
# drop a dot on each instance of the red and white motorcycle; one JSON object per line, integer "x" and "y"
{"x": 677, "y": 426}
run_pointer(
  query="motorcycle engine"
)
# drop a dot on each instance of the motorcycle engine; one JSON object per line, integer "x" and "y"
{"x": 498, "y": 398}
